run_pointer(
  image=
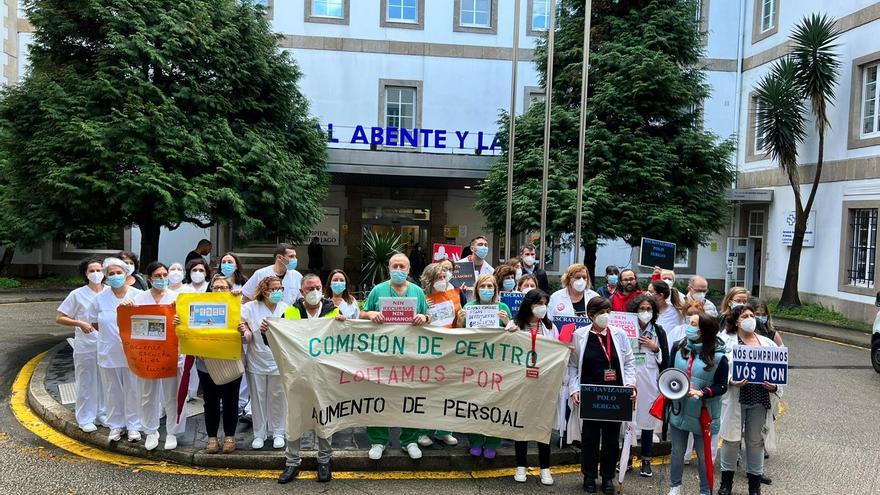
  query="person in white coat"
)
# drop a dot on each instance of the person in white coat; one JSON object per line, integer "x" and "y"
{"x": 284, "y": 268}
{"x": 73, "y": 312}
{"x": 746, "y": 405}
{"x": 120, "y": 384}
{"x": 601, "y": 355}
{"x": 268, "y": 401}
{"x": 572, "y": 298}
{"x": 159, "y": 394}
{"x": 198, "y": 273}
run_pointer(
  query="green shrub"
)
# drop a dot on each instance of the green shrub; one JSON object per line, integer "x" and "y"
{"x": 9, "y": 283}
{"x": 817, "y": 313}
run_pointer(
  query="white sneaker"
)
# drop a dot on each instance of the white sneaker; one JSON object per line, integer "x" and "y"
{"x": 115, "y": 435}
{"x": 448, "y": 440}
{"x": 425, "y": 441}
{"x": 520, "y": 475}
{"x": 414, "y": 451}
{"x": 101, "y": 420}
{"x": 152, "y": 441}
{"x": 278, "y": 443}
{"x": 257, "y": 444}
{"x": 88, "y": 427}
{"x": 546, "y": 477}
{"x": 170, "y": 442}
{"x": 376, "y": 451}
{"x": 134, "y": 436}
{"x": 675, "y": 490}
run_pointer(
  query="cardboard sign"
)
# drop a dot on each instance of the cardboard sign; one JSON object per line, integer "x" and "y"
{"x": 482, "y": 316}
{"x": 760, "y": 364}
{"x": 450, "y": 252}
{"x": 398, "y": 310}
{"x": 463, "y": 275}
{"x": 149, "y": 340}
{"x": 567, "y": 325}
{"x": 657, "y": 253}
{"x": 209, "y": 325}
{"x": 513, "y": 300}
{"x": 628, "y": 322}
{"x": 606, "y": 403}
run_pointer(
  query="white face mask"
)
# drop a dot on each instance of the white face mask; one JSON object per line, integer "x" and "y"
{"x": 645, "y": 316}
{"x": 440, "y": 285}
{"x": 95, "y": 277}
{"x": 698, "y": 296}
{"x": 175, "y": 276}
{"x": 748, "y": 325}
{"x": 540, "y": 311}
{"x": 129, "y": 268}
{"x": 579, "y": 285}
{"x": 669, "y": 282}
{"x": 601, "y": 321}
{"x": 525, "y": 290}
{"x": 197, "y": 277}
{"x": 448, "y": 276}
{"x": 528, "y": 260}
{"x": 313, "y": 297}
{"x": 518, "y": 273}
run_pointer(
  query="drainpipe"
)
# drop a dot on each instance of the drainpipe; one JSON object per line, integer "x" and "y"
{"x": 740, "y": 42}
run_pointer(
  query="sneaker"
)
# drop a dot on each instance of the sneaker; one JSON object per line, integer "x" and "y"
{"x": 134, "y": 436}
{"x": 675, "y": 490}
{"x": 376, "y": 451}
{"x": 88, "y": 427}
{"x": 101, "y": 420}
{"x": 170, "y": 442}
{"x": 448, "y": 440}
{"x": 152, "y": 441}
{"x": 489, "y": 453}
{"x": 520, "y": 476}
{"x": 425, "y": 441}
{"x": 257, "y": 444}
{"x": 115, "y": 435}
{"x": 476, "y": 451}
{"x": 546, "y": 478}
{"x": 646, "y": 469}
{"x": 278, "y": 443}
{"x": 414, "y": 451}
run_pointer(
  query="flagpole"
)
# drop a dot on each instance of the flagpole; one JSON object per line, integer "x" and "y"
{"x": 508, "y": 235}
{"x": 551, "y": 35}
{"x": 582, "y": 137}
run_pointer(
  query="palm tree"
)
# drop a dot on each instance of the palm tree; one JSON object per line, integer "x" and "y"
{"x": 808, "y": 73}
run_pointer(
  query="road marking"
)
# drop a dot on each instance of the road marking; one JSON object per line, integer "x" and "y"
{"x": 829, "y": 341}
{"x": 28, "y": 419}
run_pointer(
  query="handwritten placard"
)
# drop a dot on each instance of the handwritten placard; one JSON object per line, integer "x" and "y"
{"x": 482, "y": 316}
{"x": 398, "y": 310}
{"x": 149, "y": 340}
{"x": 209, "y": 325}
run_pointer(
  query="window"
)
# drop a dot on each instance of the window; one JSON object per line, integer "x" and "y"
{"x": 756, "y": 223}
{"x": 768, "y": 15}
{"x": 402, "y": 11}
{"x": 682, "y": 258}
{"x": 765, "y": 19}
{"x": 476, "y": 13}
{"x": 539, "y": 16}
{"x": 533, "y": 94}
{"x": 862, "y": 247}
{"x": 870, "y": 98}
{"x": 756, "y": 142}
{"x": 327, "y": 8}
{"x": 864, "y": 100}
{"x": 400, "y": 107}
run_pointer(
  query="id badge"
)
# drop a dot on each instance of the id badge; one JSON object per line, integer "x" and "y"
{"x": 640, "y": 358}
{"x": 610, "y": 375}
{"x": 532, "y": 371}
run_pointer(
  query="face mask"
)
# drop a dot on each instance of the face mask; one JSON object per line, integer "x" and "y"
{"x": 116, "y": 281}
{"x": 669, "y": 282}
{"x": 698, "y": 296}
{"x": 540, "y": 311}
{"x": 692, "y": 333}
{"x": 762, "y": 319}
{"x": 227, "y": 269}
{"x": 95, "y": 277}
{"x": 525, "y": 290}
{"x": 736, "y": 305}
{"x": 482, "y": 252}
{"x": 528, "y": 260}
{"x": 398, "y": 277}
{"x": 313, "y": 298}
{"x": 748, "y": 325}
{"x": 175, "y": 276}
{"x": 129, "y": 268}
{"x": 519, "y": 273}
{"x": 509, "y": 284}
{"x": 486, "y": 295}
{"x": 276, "y": 296}
{"x": 337, "y": 287}
{"x": 291, "y": 264}
{"x": 448, "y": 276}
{"x": 601, "y": 321}
{"x": 440, "y": 285}
{"x": 579, "y": 285}
{"x": 645, "y": 316}
{"x": 197, "y": 277}
{"x": 613, "y": 279}
{"x": 160, "y": 283}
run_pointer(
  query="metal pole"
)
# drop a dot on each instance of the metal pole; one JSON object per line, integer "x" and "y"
{"x": 582, "y": 137}
{"x": 551, "y": 35}
{"x": 508, "y": 235}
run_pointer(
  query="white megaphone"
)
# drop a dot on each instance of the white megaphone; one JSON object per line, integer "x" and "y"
{"x": 673, "y": 383}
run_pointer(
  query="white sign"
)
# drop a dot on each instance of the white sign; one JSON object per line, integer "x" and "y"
{"x": 788, "y": 230}
{"x": 482, "y": 316}
{"x": 327, "y": 231}
{"x": 628, "y": 322}
{"x": 398, "y": 309}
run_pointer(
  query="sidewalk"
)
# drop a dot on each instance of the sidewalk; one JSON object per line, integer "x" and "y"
{"x": 822, "y": 331}
{"x": 32, "y": 295}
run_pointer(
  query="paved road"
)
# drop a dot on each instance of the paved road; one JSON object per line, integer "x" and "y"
{"x": 829, "y": 436}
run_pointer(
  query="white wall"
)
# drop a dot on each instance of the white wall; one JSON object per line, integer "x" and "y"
{"x": 174, "y": 245}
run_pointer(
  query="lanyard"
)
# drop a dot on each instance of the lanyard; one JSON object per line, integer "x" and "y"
{"x": 690, "y": 364}
{"x": 607, "y": 350}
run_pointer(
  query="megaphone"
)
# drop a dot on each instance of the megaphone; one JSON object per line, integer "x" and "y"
{"x": 673, "y": 383}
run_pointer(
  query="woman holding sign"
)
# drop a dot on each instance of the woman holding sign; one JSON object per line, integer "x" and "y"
{"x": 602, "y": 356}
{"x": 746, "y": 407}
{"x": 162, "y": 392}
{"x": 444, "y": 300}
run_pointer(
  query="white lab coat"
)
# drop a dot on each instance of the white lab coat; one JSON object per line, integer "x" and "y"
{"x": 575, "y": 361}
{"x": 560, "y": 302}
{"x": 291, "y": 282}
{"x": 553, "y": 333}
{"x": 646, "y": 383}
{"x": 89, "y": 398}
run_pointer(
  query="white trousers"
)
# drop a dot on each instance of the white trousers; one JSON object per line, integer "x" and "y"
{"x": 121, "y": 398}
{"x": 89, "y": 395}
{"x": 269, "y": 405}
{"x": 156, "y": 395}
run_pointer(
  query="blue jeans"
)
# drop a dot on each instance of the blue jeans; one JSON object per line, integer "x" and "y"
{"x": 679, "y": 440}
{"x": 753, "y": 418}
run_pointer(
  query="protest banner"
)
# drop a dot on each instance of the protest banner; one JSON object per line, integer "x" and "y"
{"x": 657, "y": 253}
{"x": 567, "y": 325}
{"x": 482, "y": 316}
{"x": 356, "y": 373}
{"x": 464, "y": 274}
{"x": 449, "y": 252}
{"x": 209, "y": 324}
{"x": 149, "y": 340}
{"x": 606, "y": 403}
{"x": 398, "y": 310}
{"x": 513, "y": 300}
{"x": 760, "y": 364}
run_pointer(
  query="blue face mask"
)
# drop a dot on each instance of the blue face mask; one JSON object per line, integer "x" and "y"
{"x": 509, "y": 284}
{"x": 486, "y": 294}
{"x": 482, "y": 252}
{"x": 613, "y": 279}
{"x": 692, "y": 333}
{"x": 398, "y": 277}
{"x": 761, "y": 319}
{"x": 291, "y": 264}
{"x": 276, "y": 296}
{"x": 337, "y": 287}
{"x": 227, "y": 269}
{"x": 116, "y": 281}
{"x": 160, "y": 283}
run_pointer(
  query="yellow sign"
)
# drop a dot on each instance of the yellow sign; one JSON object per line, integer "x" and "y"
{"x": 209, "y": 325}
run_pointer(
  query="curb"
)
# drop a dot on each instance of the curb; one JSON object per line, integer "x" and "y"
{"x": 36, "y": 298}
{"x": 801, "y": 328}
{"x": 440, "y": 459}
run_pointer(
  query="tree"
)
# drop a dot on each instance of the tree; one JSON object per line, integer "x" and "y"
{"x": 808, "y": 74}
{"x": 158, "y": 112}
{"x": 650, "y": 169}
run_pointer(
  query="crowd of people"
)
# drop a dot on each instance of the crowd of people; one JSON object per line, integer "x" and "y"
{"x": 684, "y": 330}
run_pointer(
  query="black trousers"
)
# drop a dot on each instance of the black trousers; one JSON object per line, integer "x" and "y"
{"x": 522, "y": 450}
{"x": 215, "y": 394}
{"x": 599, "y": 448}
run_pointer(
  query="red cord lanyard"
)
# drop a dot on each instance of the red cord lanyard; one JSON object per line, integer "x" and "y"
{"x": 534, "y": 332}
{"x": 607, "y": 350}
{"x": 690, "y": 364}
